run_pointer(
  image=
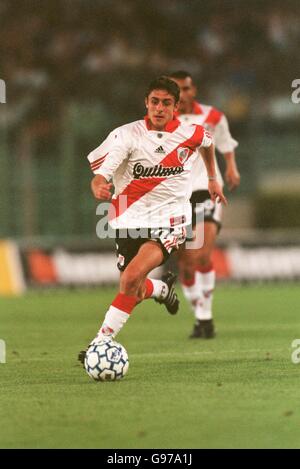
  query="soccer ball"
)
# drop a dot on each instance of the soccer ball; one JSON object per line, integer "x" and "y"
{"x": 106, "y": 361}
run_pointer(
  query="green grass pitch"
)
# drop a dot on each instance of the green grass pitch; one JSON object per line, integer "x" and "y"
{"x": 240, "y": 390}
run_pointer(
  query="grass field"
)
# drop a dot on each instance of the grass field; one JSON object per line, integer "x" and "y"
{"x": 238, "y": 390}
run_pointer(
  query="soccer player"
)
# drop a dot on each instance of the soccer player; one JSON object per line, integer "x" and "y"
{"x": 196, "y": 269}
{"x": 149, "y": 162}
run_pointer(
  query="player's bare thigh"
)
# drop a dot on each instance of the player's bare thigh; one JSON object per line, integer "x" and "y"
{"x": 149, "y": 256}
{"x": 210, "y": 234}
{"x": 186, "y": 260}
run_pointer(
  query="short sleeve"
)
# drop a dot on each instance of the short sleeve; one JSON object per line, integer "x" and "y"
{"x": 108, "y": 156}
{"x": 222, "y": 138}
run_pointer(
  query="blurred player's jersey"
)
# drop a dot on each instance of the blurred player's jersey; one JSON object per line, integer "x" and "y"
{"x": 151, "y": 172}
{"x": 216, "y": 123}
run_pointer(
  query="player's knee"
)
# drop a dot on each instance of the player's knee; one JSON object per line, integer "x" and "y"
{"x": 186, "y": 270}
{"x": 204, "y": 258}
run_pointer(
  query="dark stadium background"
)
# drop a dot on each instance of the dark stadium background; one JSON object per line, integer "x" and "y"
{"x": 76, "y": 69}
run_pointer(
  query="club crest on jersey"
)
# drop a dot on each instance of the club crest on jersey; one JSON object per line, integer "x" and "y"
{"x": 182, "y": 154}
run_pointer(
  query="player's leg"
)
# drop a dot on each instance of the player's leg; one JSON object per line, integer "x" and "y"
{"x": 131, "y": 291}
{"x": 134, "y": 287}
{"x": 133, "y": 279}
{"x": 136, "y": 258}
{"x": 187, "y": 255}
{"x": 205, "y": 283}
{"x": 197, "y": 279}
{"x": 163, "y": 290}
{"x": 187, "y": 260}
{"x": 196, "y": 271}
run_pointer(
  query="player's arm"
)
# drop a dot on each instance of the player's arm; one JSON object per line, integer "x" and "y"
{"x": 104, "y": 162}
{"x": 226, "y": 145}
{"x": 208, "y": 155}
{"x": 232, "y": 175}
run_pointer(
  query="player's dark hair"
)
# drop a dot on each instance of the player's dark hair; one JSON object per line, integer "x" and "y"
{"x": 180, "y": 74}
{"x": 164, "y": 83}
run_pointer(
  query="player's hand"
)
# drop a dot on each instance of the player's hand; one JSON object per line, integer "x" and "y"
{"x": 232, "y": 177}
{"x": 101, "y": 188}
{"x": 216, "y": 192}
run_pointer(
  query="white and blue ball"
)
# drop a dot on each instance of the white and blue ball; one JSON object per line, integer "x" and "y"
{"x": 106, "y": 361}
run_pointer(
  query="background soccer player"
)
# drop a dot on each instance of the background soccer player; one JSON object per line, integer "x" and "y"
{"x": 197, "y": 273}
{"x": 150, "y": 162}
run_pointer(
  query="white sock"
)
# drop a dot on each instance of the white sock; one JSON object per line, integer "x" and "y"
{"x": 113, "y": 322}
{"x": 206, "y": 283}
{"x": 191, "y": 293}
{"x": 200, "y": 312}
{"x": 160, "y": 289}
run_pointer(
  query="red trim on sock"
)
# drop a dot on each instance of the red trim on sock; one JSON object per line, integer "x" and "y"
{"x": 149, "y": 288}
{"x": 204, "y": 269}
{"x": 124, "y": 302}
{"x": 188, "y": 283}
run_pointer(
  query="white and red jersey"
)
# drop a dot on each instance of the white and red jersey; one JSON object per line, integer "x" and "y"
{"x": 216, "y": 123}
{"x": 151, "y": 172}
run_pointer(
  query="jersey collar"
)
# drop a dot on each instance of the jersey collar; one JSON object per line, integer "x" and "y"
{"x": 170, "y": 127}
